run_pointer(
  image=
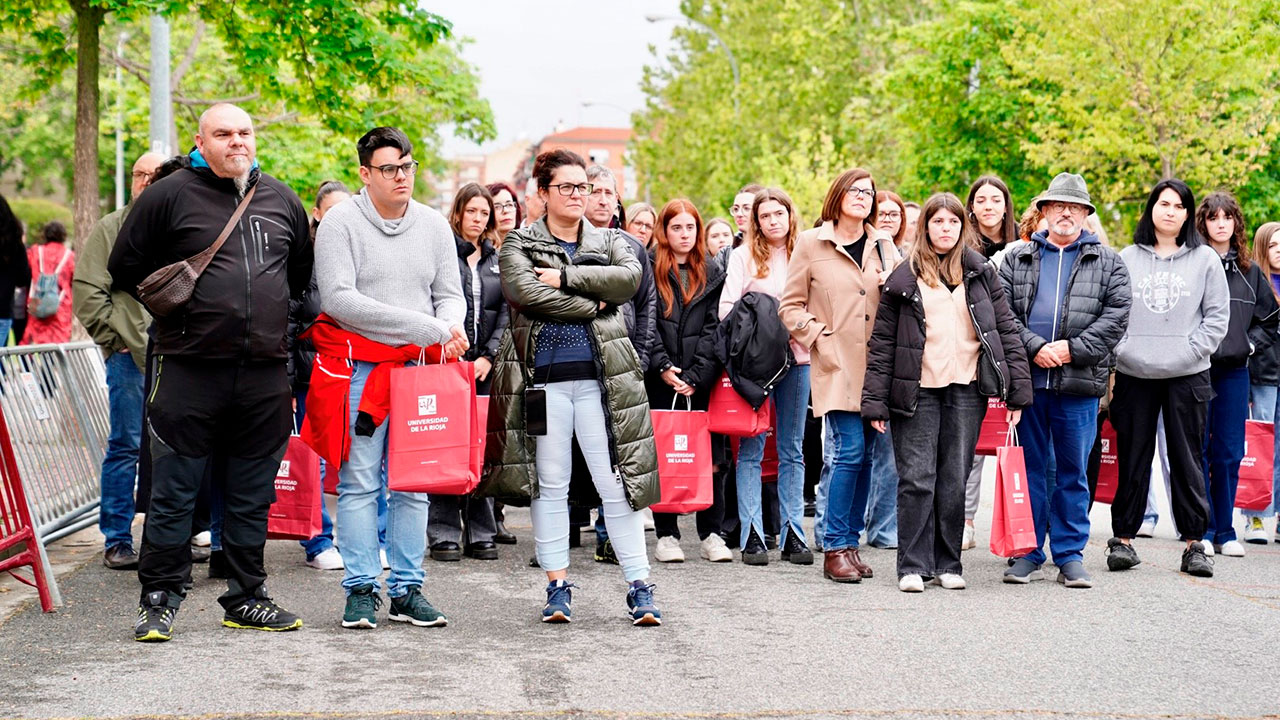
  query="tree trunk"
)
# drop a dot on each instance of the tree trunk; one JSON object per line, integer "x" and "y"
{"x": 84, "y": 203}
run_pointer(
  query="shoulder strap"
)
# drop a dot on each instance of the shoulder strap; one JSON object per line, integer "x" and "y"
{"x": 62, "y": 262}
{"x": 201, "y": 261}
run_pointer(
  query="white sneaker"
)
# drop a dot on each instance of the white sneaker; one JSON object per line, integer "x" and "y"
{"x": 647, "y": 514}
{"x": 911, "y": 583}
{"x": 382, "y": 555}
{"x": 968, "y": 542}
{"x": 1208, "y": 549}
{"x": 949, "y": 581}
{"x": 1232, "y": 548}
{"x": 1254, "y": 532}
{"x": 1148, "y": 529}
{"x": 714, "y": 549}
{"x": 330, "y": 559}
{"x": 202, "y": 539}
{"x": 668, "y": 550}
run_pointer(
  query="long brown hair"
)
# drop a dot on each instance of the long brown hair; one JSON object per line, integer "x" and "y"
{"x": 466, "y": 194}
{"x": 761, "y": 249}
{"x": 664, "y": 261}
{"x": 1222, "y": 201}
{"x": 925, "y": 263}
{"x": 1008, "y": 226}
{"x": 1261, "y": 247}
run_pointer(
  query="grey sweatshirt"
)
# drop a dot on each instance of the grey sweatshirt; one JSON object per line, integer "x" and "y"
{"x": 1180, "y": 312}
{"x": 392, "y": 281}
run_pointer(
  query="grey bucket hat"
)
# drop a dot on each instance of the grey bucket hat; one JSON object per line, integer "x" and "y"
{"x": 1067, "y": 187}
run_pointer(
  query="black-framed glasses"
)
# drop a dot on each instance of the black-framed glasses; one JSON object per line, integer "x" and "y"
{"x": 508, "y": 205}
{"x": 389, "y": 172}
{"x": 892, "y": 215}
{"x": 142, "y": 174}
{"x": 868, "y": 194}
{"x": 568, "y": 189}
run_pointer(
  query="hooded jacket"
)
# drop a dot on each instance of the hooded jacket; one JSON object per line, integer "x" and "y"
{"x": 604, "y": 269}
{"x": 1179, "y": 314}
{"x": 896, "y": 357}
{"x": 685, "y": 338}
{"x": 1251, "y": 329}
{"x": 240, "y": 307}
{"x": 1092, "y": 310}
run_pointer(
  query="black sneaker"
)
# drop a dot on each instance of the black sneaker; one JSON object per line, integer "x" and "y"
{"x": 120, "y": 557}
{"x": 258, "y": 612}
{"x": 362, "y": 608}
{"x": 795, "y": 551}
{"x": 1195, "y": 562}
{"x": 1121, "y": 556}
{"x": 754, "y": 552}
{"x": 155, "y": 618}
{"x": 605, "y": 553}
{"x": 412, "y": 607}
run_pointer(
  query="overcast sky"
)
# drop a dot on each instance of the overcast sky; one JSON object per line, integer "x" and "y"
{"x": 540, "y": 60}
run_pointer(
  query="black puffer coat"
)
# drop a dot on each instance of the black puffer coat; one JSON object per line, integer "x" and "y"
{"x": 1252, "y": 328}
{"x": 896, "y": 356}
{"x": 1092, "y": 319}
{"x": 485, "y": 332}
{"x": 686, "y": 339}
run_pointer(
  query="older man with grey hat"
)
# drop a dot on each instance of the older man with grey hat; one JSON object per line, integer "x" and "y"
{"x": 1070, "y": 298}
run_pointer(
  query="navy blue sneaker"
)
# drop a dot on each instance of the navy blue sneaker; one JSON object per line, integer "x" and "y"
{"x": 640, "y": 607}
{"x": 559, "y": 601}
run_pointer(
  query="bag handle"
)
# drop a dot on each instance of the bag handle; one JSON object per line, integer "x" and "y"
{"x": 201, "y": 260}
{"x": 1011, "y": 440}
{"x": 688, "y": 402}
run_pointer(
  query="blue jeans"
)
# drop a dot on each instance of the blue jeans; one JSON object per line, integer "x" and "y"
{"x": 1265, "y": 402}
{"x": 5, "y": 326}
{"x": 1057, "y": 433}
{"x": 361, "y": 482}
{"x": 576, "y": 408}
{"x": 324, "y": 540}
{"x": 824, "y": 485}
{"x": 791, "y": 401}
{"x": 1224, "y": 448}
{"x": 850, "y": 441}
{"x": 882, "y": 501}
{"x": 120, "y": 464}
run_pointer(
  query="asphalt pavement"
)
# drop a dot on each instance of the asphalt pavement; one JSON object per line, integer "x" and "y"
{"x": 737, "y": 642}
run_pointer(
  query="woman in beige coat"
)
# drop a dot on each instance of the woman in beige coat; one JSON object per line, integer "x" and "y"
{"x": 829, "y": 306}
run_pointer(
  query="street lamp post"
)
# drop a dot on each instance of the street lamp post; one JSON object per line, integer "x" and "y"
{"x": 733, "y": 61}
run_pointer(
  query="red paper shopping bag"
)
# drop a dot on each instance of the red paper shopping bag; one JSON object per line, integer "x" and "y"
{"x": 731, "y": 415}
{"x": 477, "y": 442}
{"x": 1253, "y": 492}
{"x": 1013, "y": 527}
{"x": 295, "y": 515}
{"x": 431, "y": 445}
{"x": 683, "y": 441}
{"x": 1109, "y": 467}
{"x": 995, "y": 428}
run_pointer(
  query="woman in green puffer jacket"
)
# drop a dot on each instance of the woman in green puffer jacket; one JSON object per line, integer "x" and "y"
{"x": 566, "y": 368}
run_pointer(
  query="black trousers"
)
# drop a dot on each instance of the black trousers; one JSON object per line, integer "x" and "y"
{"x": 197, "y": 410}
{"x": 1135, "y": 406}
{"x": 709, "y": 520}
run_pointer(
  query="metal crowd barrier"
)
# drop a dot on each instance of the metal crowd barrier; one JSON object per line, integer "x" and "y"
{"x": 55, "y": 404}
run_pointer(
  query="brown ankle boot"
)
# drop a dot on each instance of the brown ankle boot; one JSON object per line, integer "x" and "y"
{"x": 863, "y": 569}
{"x": 836, "y": 565}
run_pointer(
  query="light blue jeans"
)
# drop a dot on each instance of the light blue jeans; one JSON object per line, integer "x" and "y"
{"x": 577, "y": 407}
{"x": 120, "y": 463}
{"x": 360, "y": 483}
{"x": 1264, "y": 406}
{"x": 791, "y": 400}
{"x": 882, "y": 503}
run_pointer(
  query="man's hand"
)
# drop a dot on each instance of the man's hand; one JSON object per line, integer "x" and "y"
{"x": 1062, "y": 350}
{"x": 457, "y": 344}
{"x": 1047, "y": 357}
{"x": 483, "y": 366}
{"x": 550, "y": 276}
{"x": 1012, "y": 416}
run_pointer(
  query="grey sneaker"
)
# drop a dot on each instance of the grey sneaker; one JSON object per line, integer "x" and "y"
{"x": 1121, "y": 556}
{"x": 1072, "y": 575}
{"x": 412, "y": 607}
{"x": 1022, "y": 572}
{"x": 1195, "y": 562}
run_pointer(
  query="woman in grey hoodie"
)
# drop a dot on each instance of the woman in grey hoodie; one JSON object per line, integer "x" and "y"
{"x": 1178, "y": 318}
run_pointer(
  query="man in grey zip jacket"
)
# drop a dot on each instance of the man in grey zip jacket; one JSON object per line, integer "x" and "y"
{"x": 1070, "y": 299}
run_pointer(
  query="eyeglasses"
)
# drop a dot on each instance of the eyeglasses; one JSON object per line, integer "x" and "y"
{"x": 142, "y": 174}
{"x": 1059, "y": 207}
{"x": 643, "y": 225}
{"x": 568, "y": 189}
{"x": 860, "y": 191}
{"x": 503, "y": 207}
{"x": 894, "y": 215}
{"x": 389, "y": 172}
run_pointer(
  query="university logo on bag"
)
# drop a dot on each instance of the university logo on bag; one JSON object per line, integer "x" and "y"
{"x": 1106, "y": 445}
{"x": 284, "y": 469}
{"x": 426, "y": 404}
{"x": 682, "y": 443}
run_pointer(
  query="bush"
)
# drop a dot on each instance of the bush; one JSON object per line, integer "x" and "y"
{"x": 35, "y": 212}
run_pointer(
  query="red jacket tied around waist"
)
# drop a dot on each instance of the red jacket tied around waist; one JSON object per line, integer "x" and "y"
{"x": 327, "y": 426}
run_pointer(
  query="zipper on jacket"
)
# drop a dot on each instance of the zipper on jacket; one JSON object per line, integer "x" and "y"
{"x": 248, "y": 291}
{"x": 1057, "y": 303}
